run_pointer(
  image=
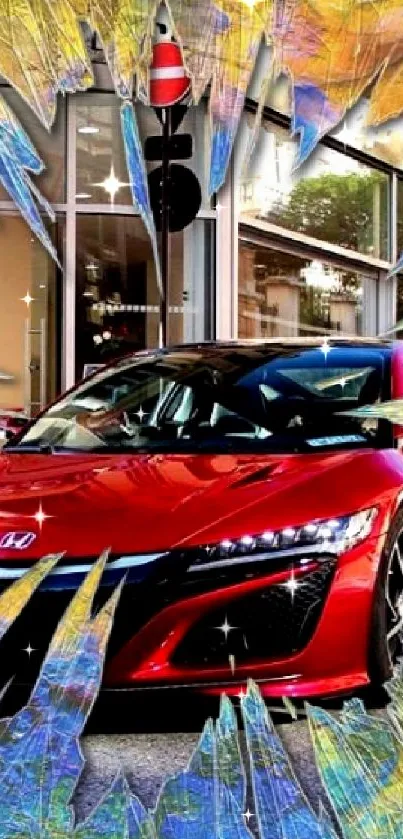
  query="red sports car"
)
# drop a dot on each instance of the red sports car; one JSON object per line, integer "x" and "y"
{"x": 259, "y": 525}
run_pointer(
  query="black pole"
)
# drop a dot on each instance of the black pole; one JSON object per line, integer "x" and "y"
{"x": 166, "y": 131}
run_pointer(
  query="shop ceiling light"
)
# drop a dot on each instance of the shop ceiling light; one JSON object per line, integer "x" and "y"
{"x": 88, "y": 129}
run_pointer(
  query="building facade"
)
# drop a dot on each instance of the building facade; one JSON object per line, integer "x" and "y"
{"x": 278, "y": 253}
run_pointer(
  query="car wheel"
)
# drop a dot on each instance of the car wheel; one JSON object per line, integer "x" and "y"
{"x": 386, "y": 640}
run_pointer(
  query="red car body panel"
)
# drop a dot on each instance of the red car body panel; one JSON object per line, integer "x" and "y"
{"x": 150, "y": 503}
{"x": 334, "y": 660}
{"x": 157, "y": 503}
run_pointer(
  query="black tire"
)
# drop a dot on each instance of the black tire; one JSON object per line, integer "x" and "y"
{"x": 383, "y": 653}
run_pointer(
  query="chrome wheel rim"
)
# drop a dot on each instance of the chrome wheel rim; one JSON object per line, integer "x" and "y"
{"x": 394, "y": 600}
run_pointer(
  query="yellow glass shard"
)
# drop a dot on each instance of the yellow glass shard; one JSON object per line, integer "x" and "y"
{"x": 16, "y": 596}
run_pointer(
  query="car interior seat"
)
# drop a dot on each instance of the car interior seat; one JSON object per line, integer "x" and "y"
{"x": 371, "y": 389}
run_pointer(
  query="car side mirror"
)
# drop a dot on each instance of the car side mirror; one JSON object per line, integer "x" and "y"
{"x": 10, "y": 433}
{"x": 11, "y": 424}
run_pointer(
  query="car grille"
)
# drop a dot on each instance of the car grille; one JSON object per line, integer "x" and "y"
{"x": 268, "y": 624}
{"x": 275, "y": 622}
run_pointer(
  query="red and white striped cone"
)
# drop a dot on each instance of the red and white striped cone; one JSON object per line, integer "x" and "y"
{"x": 169, "y": 83}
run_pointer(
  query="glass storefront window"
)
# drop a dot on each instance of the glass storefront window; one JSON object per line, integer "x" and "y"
{"x": 51, "y": 146}
{"x": 283, "y": 295}
{"x": 29, "y": 334}
{"x": 118, "y": 303}
{"x": 331, "y": 197}
{"x": 399, "y": 306}
{"x": 400, "y": 216}
{"x": 102, "y": 176}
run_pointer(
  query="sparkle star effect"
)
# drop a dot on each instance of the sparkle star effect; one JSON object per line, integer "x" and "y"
{"x": 27, "y": 299}
{"x": 325, "y": 348}
{"x": 40, "y": 516}
{"x": 225, "y": 628}
{"x": 248, "y": 815}
{"x": 111, "y": 184}
{"x": 292, "y": 584}
{"x": 29, "y": 650}
{"x": 141, "y": 414}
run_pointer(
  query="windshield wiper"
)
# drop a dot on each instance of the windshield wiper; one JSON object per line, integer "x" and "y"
{"x": 38, "y": 448}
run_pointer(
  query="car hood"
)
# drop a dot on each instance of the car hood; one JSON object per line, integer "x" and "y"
{"x": 83, "y": 504}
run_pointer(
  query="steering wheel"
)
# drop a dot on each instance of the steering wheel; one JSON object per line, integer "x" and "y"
{"x": 107, "y": 423}
{"x": 128, "y": 427}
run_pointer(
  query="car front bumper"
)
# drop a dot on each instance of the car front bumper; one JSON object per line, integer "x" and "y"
{"x": 297, "y": 630}
{"x": 188, "y": 643}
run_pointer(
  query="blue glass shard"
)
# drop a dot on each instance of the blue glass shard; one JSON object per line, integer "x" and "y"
{"x": 18, "y": 157}
{"x": 396, "y": 268}
{"x": 207, "y": 798}
{"x": 138, "y": 177}
{"x": 282, "y": 810}
{"x": 313, "y": 116}
{"x": 361, "y": 763}
{"x": 120, "y": 814}
{"x": 221, "y": 148}
{"x": 40, "y": 757}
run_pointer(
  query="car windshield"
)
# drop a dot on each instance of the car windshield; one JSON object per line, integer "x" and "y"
{"x": 272, "y": 398}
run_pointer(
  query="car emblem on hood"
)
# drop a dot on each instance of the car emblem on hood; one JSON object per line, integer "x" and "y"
{"x": 17, "y": 540}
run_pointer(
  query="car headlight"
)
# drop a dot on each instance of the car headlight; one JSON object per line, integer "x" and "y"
{"x": 334, "y": 536}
